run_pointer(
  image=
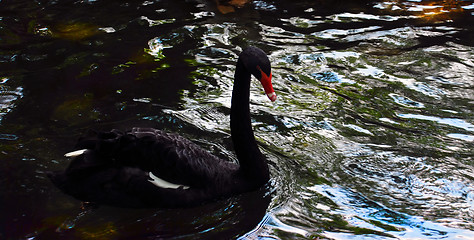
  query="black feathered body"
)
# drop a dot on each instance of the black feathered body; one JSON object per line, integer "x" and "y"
{"x": 115, "y": 170}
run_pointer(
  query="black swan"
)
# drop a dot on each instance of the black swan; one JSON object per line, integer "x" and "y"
{"x": 151, "y": 168}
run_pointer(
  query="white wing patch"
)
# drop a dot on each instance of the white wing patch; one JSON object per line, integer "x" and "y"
{"x": 75, "y": 153}
{"x": 164, "y": 184}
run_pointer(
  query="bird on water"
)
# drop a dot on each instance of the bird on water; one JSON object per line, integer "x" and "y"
{"x": 147, "y": 167}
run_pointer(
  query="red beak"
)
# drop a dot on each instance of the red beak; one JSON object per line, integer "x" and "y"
{"x": 267, "y": 84}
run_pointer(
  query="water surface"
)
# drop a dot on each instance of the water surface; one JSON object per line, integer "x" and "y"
{"x": 371, "y": 136}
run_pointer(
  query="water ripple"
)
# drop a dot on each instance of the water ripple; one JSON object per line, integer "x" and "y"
{"x": 454, "y": 122}
{"x": 371, "y": 135}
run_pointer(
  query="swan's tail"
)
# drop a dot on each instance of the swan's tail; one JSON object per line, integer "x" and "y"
{"x": 80, "y": 168}
{"x": 90, "y": 178}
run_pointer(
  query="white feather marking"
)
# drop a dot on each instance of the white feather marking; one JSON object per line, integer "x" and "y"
{"x": 75, "y": 153}
{"x": 164, "y": 184}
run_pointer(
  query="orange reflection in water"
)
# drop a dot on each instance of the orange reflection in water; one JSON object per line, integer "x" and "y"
{"x": 229, "y": 6}
{"x": 432, "y": 11}
{"x": 441, "y": 10}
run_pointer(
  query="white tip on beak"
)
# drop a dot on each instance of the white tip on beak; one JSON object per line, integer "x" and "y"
{"x": 272, "y": 96}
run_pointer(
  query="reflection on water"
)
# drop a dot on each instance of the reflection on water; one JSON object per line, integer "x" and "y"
{"x": 459, "y": 123}
{"x": 8, "y": 96}
{"x": 371, "y": 136}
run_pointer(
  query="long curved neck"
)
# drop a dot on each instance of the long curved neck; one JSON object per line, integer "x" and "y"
{"x": 252, "y": 163}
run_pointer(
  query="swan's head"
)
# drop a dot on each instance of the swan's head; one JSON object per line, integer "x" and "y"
{"x": 257, "y": 63}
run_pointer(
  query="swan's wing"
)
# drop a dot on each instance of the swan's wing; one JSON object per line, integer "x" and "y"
{"x": 178, "y": 160}
{"x": 115, "y": 169}
{"x": 168, "y": 156}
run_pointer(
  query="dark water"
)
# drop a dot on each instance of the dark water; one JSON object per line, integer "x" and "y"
{"x": 371, "y": 137}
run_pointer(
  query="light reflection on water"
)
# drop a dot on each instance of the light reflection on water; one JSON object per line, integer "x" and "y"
{"x": 360, "y": 211}
{"x": 370, "y": 138}
{"x": 459, "y": 123}
{"x": 465, "y": 137}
